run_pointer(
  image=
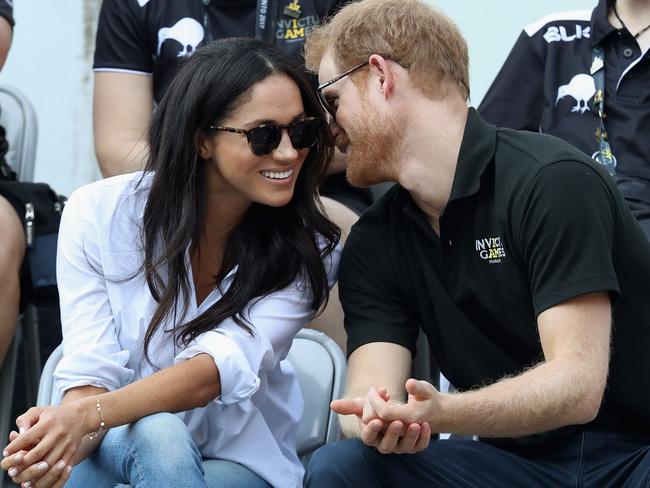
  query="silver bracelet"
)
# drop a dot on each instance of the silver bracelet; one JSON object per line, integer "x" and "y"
{"x": 102, "y": 425}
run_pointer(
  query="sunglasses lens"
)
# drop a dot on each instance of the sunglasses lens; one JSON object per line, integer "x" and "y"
{"x": 304, "y": 133}
{"x": 262, "y": 140}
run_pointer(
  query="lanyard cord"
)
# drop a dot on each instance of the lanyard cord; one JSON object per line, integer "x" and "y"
{"x": 604, "y": 156}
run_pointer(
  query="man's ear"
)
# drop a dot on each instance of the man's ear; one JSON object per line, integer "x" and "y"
{"x": 383, "y": 75}
{"x": 202, "y": 144}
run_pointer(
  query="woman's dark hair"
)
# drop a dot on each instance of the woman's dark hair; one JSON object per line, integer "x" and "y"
{"x": 271, "y": 247}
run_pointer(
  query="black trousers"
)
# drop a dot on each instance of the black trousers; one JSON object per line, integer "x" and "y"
{"x": 586, "y": 459}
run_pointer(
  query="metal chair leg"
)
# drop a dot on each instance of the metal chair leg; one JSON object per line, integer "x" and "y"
{"x": 32, "y": 351}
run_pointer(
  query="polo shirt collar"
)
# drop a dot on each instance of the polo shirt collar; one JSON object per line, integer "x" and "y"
{"x": 600, "y": 26}
{"x": 476, "y": 151}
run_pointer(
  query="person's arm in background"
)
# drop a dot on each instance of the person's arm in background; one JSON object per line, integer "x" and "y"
{"x": 123, "y": 92}
{"x": 516, "y": 97}
{"x": 6, "y": 34}
{"x": 122, "y": 108}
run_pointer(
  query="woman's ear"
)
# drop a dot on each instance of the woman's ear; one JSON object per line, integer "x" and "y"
{"x": 202, "y": 144}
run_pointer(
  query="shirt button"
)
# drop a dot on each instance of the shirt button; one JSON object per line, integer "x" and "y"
{"x": 628, "y": 52}
{"x": 450, "y": 243}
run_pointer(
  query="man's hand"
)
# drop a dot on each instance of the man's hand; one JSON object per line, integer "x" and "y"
{"x": 388, "y": 437}
{"x": 421, "y": 406}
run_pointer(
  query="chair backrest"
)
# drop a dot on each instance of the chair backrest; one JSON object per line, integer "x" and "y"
{"x": 18, "y": 118}
{"x": 45, "y": 394}
{"x": 320, "y": 367}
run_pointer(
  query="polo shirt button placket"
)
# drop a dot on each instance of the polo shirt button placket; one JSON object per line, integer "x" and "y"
{"x": 628, "y": 52}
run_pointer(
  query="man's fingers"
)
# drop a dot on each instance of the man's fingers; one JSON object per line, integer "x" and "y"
{"x": 420, "y": 389}
{"x": 391, "y": 437}
{"x": 383, "y": 409}
{"x": 424, "y": 439}
{"x": 371, "y": 432}
{"x": 408, "y": 441}
{"x": 348, "y": 406}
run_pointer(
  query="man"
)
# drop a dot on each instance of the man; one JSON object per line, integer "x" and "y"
{"x": 552, "y": 79}
{"x": 511, "y": 250}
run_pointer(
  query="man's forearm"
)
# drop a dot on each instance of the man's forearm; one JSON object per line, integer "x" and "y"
{"x": 551, "y": 395}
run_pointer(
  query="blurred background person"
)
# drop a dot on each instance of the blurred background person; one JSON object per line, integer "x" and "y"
{"x": 584, "y": 76}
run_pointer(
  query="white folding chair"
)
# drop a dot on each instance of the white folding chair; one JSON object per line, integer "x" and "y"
{"x": 18, "y": 118}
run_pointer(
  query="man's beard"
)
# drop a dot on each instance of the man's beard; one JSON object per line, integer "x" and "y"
{"x": 373, "y": 155}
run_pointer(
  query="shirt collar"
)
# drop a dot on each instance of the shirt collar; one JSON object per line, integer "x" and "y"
{"x": 600, "y": 26}
{"x": 476, "y": 151}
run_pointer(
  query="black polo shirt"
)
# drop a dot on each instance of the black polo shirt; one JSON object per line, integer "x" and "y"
{"x": 545, "y": 85}
{"x": 531, "y": 222}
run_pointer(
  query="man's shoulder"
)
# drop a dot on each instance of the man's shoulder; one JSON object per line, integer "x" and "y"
{"x": 522, "y": 156}
{"x": 533, "y": 150}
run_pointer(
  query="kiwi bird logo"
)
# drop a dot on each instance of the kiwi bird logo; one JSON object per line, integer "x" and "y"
{"x": 582, "y": 88}
{"x": 187, "y": 32}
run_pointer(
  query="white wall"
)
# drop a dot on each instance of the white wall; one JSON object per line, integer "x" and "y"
{"x": 51, "y": 62}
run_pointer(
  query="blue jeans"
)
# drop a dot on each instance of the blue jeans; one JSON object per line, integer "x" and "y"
{"x": 584, "y": 460}
{"x": 157, "y": 452}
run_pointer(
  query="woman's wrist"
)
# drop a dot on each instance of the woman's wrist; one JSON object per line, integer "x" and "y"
{"x": 90, "y": 416}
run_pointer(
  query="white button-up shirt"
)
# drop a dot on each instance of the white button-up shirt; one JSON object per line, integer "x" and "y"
{"x": 104, "y": 318}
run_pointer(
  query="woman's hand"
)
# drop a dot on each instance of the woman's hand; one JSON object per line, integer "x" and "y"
{"x": 48, "y": 445}
{"x": 56, "y": 477}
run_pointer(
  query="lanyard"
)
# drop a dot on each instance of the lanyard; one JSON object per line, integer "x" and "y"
{"x": 604, "y": 155}
{"x": 267, "y": 11}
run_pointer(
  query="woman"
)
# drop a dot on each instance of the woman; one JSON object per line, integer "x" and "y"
{"x": 183, "y": 286}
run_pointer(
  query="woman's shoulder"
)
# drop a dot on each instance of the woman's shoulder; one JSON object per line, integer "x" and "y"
{"x": 100, "y": 199}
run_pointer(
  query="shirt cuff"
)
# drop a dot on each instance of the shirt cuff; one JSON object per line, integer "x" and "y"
{"x": 93, "y": 367}
{"x": 238, "y": 381}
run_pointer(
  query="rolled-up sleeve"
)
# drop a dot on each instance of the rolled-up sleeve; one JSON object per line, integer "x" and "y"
{"x": 276, "y": 319}
{"x": 92, "y": 354}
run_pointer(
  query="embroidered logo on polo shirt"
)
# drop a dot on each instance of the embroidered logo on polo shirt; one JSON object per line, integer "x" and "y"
{"x": 490, "y": 249}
